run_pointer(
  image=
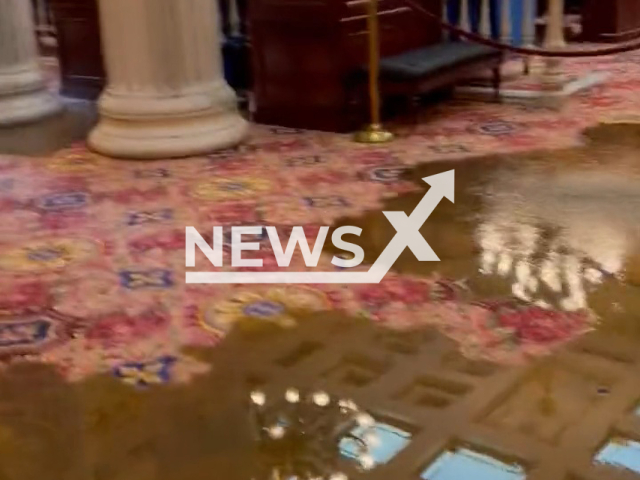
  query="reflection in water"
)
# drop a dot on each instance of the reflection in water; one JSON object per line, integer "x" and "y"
{"x": 543, "y": 244}
{"x": 303, "y": 435}
{"x": 621, "y": 453}
{"x": 559, "y": 232}
{"x": 462, "y": 463}
{"x": 558, "y": 236}
{"x": 386, "y": 444}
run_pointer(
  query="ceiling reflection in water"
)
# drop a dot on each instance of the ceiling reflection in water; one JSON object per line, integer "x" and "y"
{"x": 558, "y": 236}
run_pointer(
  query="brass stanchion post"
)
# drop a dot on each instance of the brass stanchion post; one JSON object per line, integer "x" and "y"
{"x": 374, "y": 132}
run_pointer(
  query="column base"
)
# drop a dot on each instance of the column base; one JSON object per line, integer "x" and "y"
{"x": 509, "y": 71}
{"x": 531, "y": 89}
{"x": 167, "y": 138}
{"x": 24, "y": 98}
{"x": 148, "y": 127}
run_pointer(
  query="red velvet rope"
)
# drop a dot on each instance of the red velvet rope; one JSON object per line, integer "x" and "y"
{"x": 621, "y": 48}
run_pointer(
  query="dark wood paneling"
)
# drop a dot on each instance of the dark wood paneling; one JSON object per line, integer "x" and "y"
{"x": 79, "y": 48}
{"x": 304, "y": 52}
{"x": 611, "y": 20}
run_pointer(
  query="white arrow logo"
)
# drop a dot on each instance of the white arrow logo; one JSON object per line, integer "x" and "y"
{"x": 407, "y": 236}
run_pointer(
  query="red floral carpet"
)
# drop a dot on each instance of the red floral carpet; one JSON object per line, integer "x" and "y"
{"x": 92, "y": 250}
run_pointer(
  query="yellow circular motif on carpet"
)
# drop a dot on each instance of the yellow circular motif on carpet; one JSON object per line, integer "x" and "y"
{"x": 231, "y": 188}
{"x": 47, "y": 254}
{"x": 278, "y": 306}
{"x": 73, "y": 162}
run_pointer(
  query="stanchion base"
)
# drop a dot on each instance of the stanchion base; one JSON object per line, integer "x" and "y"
{"x": 373, "y": 133}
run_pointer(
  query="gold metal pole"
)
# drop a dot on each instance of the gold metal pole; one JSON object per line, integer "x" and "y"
{"x": 374, "y": 132}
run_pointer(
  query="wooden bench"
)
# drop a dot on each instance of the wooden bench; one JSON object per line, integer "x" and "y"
{"x": 436, "y": 66}
{"x": 410, "y": 75}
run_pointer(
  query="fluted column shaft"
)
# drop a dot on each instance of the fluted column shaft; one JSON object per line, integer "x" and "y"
{"x": 23, "y": 94}
{"x": 553, "y": 77}
{"x": 166, "y": 95}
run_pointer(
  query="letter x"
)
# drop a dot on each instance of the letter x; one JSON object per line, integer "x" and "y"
{"x": 409, "y": 232}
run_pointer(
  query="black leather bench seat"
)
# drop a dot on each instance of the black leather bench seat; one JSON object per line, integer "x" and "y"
{"x": 432, "y": 59}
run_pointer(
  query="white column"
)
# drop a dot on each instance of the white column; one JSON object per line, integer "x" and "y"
{"x": 23, "y": 93}
{"x": 485, "y": 18}
{"x": 505, "y": 21}
{"x": 528, "y": 29}
{"x": 235, "y": 17}
{"x": 554, "y": 35}
{"x": 528, "y": 23}
{"x": 166, "y": 95}
{"x": 553, "y": 77}
{"x": 445, "y": 18}
{"x": 464, "y": 21}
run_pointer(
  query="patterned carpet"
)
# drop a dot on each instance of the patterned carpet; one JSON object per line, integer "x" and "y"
{"x": 92, "y": 249}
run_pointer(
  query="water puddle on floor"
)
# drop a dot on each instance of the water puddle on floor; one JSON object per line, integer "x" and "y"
{"x": 558, "y": 229}
{"x": 524, "y": 365}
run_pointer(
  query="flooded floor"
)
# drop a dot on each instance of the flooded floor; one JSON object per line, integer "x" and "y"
{"x": 557, "y": 229}
{"x": 516, "y": 356}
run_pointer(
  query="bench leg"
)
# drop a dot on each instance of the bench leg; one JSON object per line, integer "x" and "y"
{"x": 496, "y": 82}
{"x": 415, "y": 104}
{"x": 526, "y": 67}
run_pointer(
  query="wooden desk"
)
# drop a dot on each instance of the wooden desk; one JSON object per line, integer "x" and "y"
{"x": 306, "y": 50}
